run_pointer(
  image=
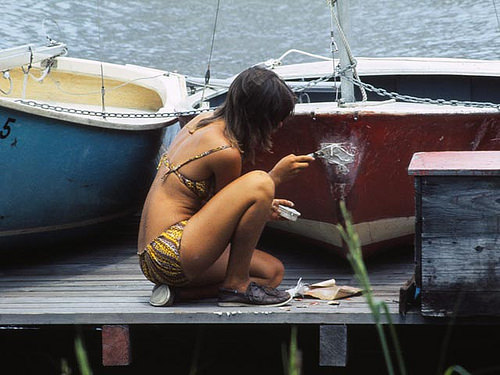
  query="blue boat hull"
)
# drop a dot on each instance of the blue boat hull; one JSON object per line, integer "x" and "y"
{"x": 58, "y": 176}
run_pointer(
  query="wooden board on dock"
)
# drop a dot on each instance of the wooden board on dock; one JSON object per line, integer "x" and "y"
{"x": 99, "y": 282}
{"x": 457, "y": 232}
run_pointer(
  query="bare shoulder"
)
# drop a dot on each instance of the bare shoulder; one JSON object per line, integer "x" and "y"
{"x": 226, "y": 159}
{"x": 230, "y": 154}
{"x": 192, "y": 123}
{"x": 226, "y": 165}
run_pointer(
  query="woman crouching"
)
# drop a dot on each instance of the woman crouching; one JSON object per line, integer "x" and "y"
{"x": 202, "y": 219}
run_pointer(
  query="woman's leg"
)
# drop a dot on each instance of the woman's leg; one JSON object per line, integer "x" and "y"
{"x": 264, "y": 270}
{"x": 237, "y": 215}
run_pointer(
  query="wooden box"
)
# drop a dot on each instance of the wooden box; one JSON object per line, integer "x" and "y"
{"x": 457, "y": 242}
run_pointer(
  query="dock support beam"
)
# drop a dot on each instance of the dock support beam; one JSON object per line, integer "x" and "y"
{"x": 333, "y": 345}
{"x": 116, "y": 345}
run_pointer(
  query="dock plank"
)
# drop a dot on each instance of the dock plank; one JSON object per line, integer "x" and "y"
{"x": 100, "y": 282}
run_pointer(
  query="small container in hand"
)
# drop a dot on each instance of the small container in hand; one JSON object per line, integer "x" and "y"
{"x": 288, "y": 213}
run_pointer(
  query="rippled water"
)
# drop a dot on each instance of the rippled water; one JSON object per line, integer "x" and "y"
{"x": 176, "y": 35}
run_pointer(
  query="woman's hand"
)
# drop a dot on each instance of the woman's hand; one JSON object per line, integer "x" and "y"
{"x": 289, "y": 167}
{"x": 275, "y": 216}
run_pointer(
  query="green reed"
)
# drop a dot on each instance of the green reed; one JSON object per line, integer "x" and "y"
{"x": 81, "y": 357}
{"x": 378, "y": 309}
{"x": 292, "y": 360}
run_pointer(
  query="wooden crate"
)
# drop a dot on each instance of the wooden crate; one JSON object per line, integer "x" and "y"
{"x": 457, "y": 247}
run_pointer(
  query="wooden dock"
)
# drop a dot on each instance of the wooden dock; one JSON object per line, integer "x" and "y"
{"x": 100, "y": 283}
{"x": 97, "y": 285}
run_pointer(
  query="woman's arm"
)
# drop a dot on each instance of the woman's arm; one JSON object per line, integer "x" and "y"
{"x": 289, "y": 167}
{"x": 226, "y": 166}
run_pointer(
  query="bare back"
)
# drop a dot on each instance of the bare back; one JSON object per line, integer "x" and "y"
{"x": 169, "y": 200}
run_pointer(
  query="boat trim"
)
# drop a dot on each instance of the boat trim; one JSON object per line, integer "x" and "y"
{"x": 100, "y": 122}
{"x": 170, "y": 87}
{"x": 73, "y": 225}
{"x": 29, "y": 54}
{"x": 369, "y": 232}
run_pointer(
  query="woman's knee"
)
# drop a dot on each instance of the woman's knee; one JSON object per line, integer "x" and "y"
{"x": 279, "y": 273}
{"x": 275, "y": 273}
{"x": 260, "y": 184}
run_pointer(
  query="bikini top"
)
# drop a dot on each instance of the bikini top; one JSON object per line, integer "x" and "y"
{"x": 202, "y": 189}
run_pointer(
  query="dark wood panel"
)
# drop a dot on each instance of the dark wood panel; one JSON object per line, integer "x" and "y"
{"x": 472, "y": 263}
{"x": 461, "y": 303}
{"x": 460, "y": 205}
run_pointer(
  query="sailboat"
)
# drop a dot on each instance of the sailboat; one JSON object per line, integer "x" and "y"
{"x": 78, "y": 140}
{"x": 368, "y": 116}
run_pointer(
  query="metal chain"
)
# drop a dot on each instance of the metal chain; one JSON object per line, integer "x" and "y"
{"x": 85, "y": 112}
{"x": 357, "y": 82}
{"x": 313, "y": 82}
{"x": 337, "y": 73}
{"x": 414, "y": 99}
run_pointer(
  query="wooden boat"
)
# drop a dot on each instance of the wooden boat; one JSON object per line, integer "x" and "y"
{"x": 78, "y": 140}
{"x": 371, "y": 142}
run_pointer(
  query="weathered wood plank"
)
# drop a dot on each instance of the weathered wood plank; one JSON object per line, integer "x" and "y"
{"x": 473, "y": 263}
{"x": 460, "y": 303}
{"x": 457, "y": 163}
{"x": 452, "y": 206}
{"x": 102, "y": 284}
{"x": 333, "y": 345}
{"x": 458, "y": 232}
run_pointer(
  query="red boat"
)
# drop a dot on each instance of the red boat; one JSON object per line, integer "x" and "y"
{"x": 370, "y": 143}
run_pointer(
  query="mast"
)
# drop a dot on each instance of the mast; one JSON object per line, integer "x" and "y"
{"x": 347, "y": 88}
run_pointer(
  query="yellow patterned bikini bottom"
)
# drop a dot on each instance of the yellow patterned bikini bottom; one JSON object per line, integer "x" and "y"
{"x": 160, "y": 260}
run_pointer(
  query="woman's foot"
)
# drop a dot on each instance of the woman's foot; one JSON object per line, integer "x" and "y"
{"x": 255, "y": 295}
{"x": 162, "y": 295}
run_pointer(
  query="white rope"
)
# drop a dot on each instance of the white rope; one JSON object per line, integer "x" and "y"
{"x": 6, "y": 75}
{"x": 279, "y": 59}
{"x": 352, "y": 60}
{"x": 44, "y": 74}
{"x": 108, "y": 89}
{"x": 333, "y": 49}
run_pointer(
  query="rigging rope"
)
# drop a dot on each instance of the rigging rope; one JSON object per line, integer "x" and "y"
{"x": 352, "y": 60}
{"x": 108, "y": 89}
{"x": 333, "y": 48}
{"x": 496, "y": 13}
{"x": 6, "y": 75}
{"x": 207, "y": 73}
{"x": 60, "y": 36}
{"x": 103, "y": 90}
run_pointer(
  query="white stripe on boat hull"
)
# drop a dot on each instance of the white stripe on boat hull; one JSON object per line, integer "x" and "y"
{"x": 369, "y": 232}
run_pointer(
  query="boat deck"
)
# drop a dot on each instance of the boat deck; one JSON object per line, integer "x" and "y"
{"x": 99, "y": 282}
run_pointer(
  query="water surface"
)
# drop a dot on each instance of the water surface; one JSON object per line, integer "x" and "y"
{"x": 176, "y": 35}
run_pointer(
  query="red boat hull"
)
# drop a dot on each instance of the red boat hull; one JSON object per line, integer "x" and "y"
{"x": 377, "y": 189}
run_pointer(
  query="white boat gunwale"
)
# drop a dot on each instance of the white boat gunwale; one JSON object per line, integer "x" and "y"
{"x": 389, "y": 107}
{"x": 295, "y": 73}
{"x": 375, "y": 66}
{"x": 170, "y": 87}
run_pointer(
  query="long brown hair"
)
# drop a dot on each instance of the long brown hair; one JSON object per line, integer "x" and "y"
{"x": 257, "y": 101}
